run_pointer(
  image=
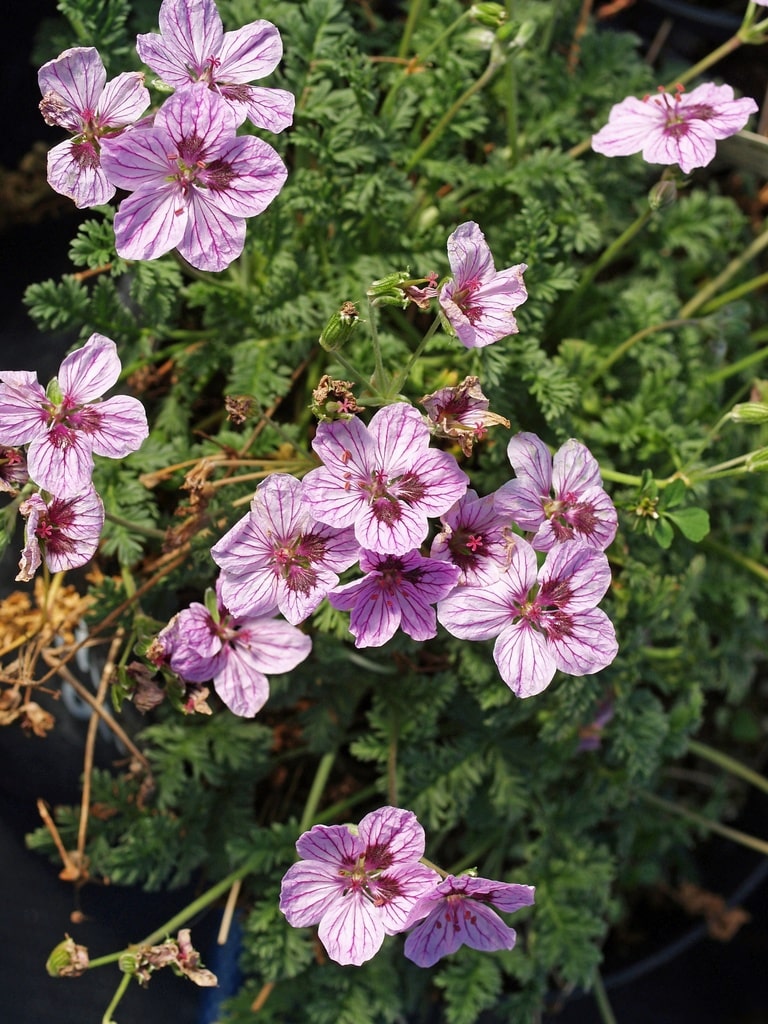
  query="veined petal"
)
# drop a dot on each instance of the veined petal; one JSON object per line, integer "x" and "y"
{"x": 89, "y": 371}
{"x": 582, "y": 569}
{"x": 239, "y": 683}
{"x": 391, "y": 835}
{"x": 524, "y": 659}
{"x": 574, "y": 469}
{"x": 469, "y": 255}
{"x": 631, "y": 124}
{"x": 477, "y": 613}
{"x": 351, "y": 929}
{"x": 391, "y": 527}
{"x": 332, "y": 499}
{"x": 257, "y": 175}
{"x": 399, "y": 432}
{"x": 123, "y": 100}
{"x": 271, "y": 109}
{"x": 271, "y": 645}
{"x": 151, "y": 222}
{"x": 374, "y": 615}
{"x": 254, "y": 593}
{"x": 139, "y": 159}
{"x": 198, "y": 114}
{"x": 694, "y": 146}
{"x": 22, "y": 408}
{"x": 410, "y": 882}
{"x": 309, "y": 890}
{"x": 191, "y": 32}
{"x": 333, "y": 845}
{"x": 212, "y": 239}
{"x": 61, "y": 466}
{"x": 80, "y": 521}
{"x": 122, "y": 427}
{"x": 74, "y": 170}
{"x": 76, "y": 76}
{"x": 250, "y": 52}
{"x": 440, "y": 479}
{"x": 589, "y": 646}
{"x": 345, "y": 446}
{"x": 531, "y": 460}
{"x": 523, "y": 501}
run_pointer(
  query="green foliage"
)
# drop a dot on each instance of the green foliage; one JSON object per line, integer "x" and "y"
{"x": 500, "y": 784}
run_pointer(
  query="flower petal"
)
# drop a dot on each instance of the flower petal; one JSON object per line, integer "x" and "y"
{"x": 89, "y": 371}
{"x": 524, "y": 659}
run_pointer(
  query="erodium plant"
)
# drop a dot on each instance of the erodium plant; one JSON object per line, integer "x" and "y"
{"x": 429, "y": 508}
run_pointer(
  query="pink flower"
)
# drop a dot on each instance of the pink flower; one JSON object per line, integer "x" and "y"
{"x": 277, "y": 556}
{"x": 236, "y": 652}
{"x": 66, "y": 529}
{"x": 193, "y": 182}
{"x": 458, "y": 913}
{"x": 398, "y": 591}
{"x": 674, "y": 129}
{"x": 65, "y": 425}
{"x": 477, "y": 538}
{"x": 557, "y": 499}
{"x": 479, "y": 302}
{"x": 77, "y": 96}
{"x": 193, "y": 47}
{"x": 360, "y": 885}
{"x": 382, "y": 479}
{"x": 543, "y": 620}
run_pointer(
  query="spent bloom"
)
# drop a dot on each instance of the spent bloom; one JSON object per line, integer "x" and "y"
{"x": 193, "y": 47}
{"x": 194, "y": 182}
{"x": 458, "y": 913}
{"x": 543, "y": 619}
{"x": 557, "y": 499}
{"x": 65, "y": 531}
{"x": 77, "y": 96}
{"x": 479, "y": 302}
{"x": 357, "y": 883}
{"x": 383, "y": 479}
{"x": 397, "y": 591}
{"x": 236, "y": 652}
{"x": 65, "y": 425}
{"x": 277, "y": 556}
{"x": 461, "y": 413}
{"x": 476, "y": 537}
{"x": 679, "y": 128}
{"x": 13, "y": 469}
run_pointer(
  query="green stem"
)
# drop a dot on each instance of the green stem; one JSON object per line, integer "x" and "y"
{"x": 736, "y": 293}
{"x": 729, "y": 764}
{"x": 601, "y": 998}
{"x": 402, "y": 377}
{"x": 743, "y": 838}
{"x": 512, "y": 98}
{"x": 145, "y": 531}
{"x": 702, "y": 297}
{"x": 119, "y": 993}
{"x": 621, "y": 478}
{"x": 420, "y": 59}
{"x": 356, "y": 376}
{"x": 705, "y": 63}
{"x": 316, "y": 792}
{"x": 744, "y": 561}
{"x": 607, "y": 257}
{"x": 434, "y": 136}
{"x": 621, "y": 350}
{"x": 379, "y": 373}
{"x": 742, "y": 364}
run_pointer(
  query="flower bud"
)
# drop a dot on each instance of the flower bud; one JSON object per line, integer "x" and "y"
{"x": 340, "y": 327}
{"x": 387, "y": 291}
{"x": 663, "y": 193}
{"x": 750, "y": 412}
{"x": 488, "y": 14}
{"x": 67, "y": 960}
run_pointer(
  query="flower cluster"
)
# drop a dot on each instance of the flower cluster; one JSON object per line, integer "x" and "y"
{"x": 362, "y": 883}
{"x": 193, "y": 180}
{"x": 63, "y": 426}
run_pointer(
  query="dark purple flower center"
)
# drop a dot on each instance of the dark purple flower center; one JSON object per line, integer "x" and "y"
{"x": 570, "y": 516}
{"x": 293, "y": 558}
{"x": 386, "y": 495}
{"x": 67, "y": 419}
{"x": 52, "y": 526}
{"x": 543, "y": 608}
{"x": 464, "y": 299}
{"x": 392, "y": 574}
{"x": 467, "y": 547}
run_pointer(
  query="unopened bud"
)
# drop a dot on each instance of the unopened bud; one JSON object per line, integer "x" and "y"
{"x": 757, "y": 462}
{"x": 387, "y": 291}
{"x": 340, "y": 327}
{"x": 663, "y": 193}
{"x": 750, "y": 412}
{"x": 488, "y": 14}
